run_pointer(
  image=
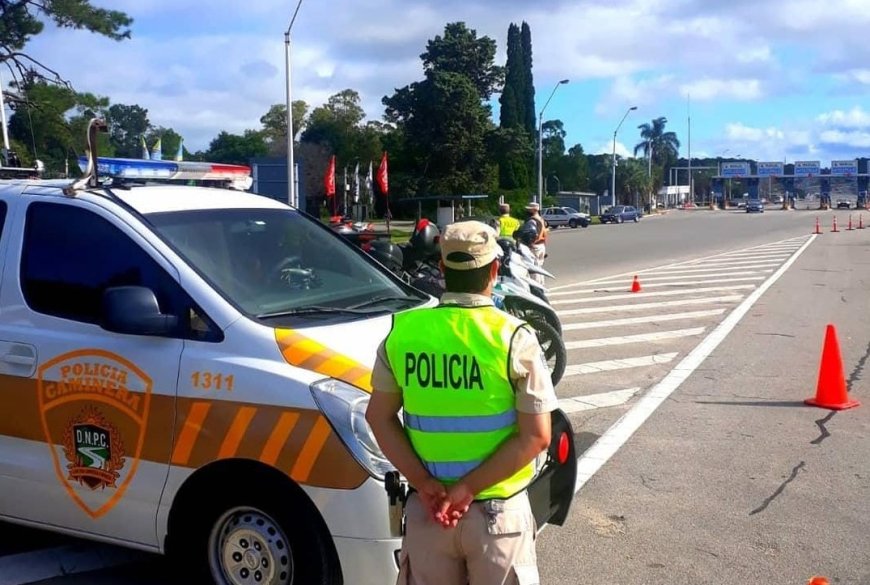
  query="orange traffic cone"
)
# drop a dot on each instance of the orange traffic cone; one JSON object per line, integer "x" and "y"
{"x": 831, "y": 387}
{"x": 835, "y": 225}
{"x": 861, "y": 222}
{"x": 635, "y": 285}
{"x": 818, "y": 581}
{"x": 849, "y": 229}
{"x": 818, "y": 228}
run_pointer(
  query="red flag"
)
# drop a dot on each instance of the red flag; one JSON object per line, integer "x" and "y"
{"x": 329, "y": 179}
{"x": 383, "y": 181}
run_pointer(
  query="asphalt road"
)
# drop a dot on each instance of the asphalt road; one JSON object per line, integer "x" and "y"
{"x": 699, "y": 461}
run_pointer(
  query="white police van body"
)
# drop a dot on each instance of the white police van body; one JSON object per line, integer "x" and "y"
{"x": 186, "y": 369}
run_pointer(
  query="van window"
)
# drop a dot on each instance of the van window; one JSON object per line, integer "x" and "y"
{"x": 275, "y": 264}
{"x": 72, "y": 255}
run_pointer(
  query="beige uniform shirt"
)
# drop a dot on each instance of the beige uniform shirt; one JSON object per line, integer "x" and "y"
{"x": 529, "y": 374}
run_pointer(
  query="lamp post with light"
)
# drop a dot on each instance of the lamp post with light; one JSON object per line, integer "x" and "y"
{"x": 541, "y": 143}
{"x": 291, "y": 175}
{"x": 613, "y": 173}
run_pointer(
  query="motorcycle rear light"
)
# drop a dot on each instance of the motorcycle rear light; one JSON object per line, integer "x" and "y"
{"x": 563, "y": 448}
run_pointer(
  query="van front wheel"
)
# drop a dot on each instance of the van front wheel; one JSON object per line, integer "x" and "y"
{"x": 247, "y": 545}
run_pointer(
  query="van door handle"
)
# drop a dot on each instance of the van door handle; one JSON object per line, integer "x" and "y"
{"x": 19, "y": 360}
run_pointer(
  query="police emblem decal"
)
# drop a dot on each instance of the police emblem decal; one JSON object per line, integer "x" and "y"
{"x": 94, "y": 450}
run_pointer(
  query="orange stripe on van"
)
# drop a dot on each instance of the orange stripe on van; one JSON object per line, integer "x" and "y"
{"x": 311, "y": 450}
{"x": 190, "y": 432}
{"x": 304, "y": 352}
{"x": 278, "y": 438}
{"x": 237, "y": 432}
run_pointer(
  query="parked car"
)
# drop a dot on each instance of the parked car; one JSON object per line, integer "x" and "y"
{"x": 561, "y": 216}
{"x": 844, "y": 204}
{"x": 754, "y": 206}
{"x": 620, "y": 214}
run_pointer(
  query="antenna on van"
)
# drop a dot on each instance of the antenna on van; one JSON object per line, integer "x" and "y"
{"x": 90, "y": 178}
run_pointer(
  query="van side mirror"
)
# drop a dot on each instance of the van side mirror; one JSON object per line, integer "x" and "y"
{"x": 133, "y": 310}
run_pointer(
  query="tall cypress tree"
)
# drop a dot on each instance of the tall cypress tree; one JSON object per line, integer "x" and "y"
{"x": 528, "y": 92}
{"x": 512, "y": 100}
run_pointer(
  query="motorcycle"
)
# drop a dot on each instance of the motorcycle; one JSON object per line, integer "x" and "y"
{"x": 514, "y": 291}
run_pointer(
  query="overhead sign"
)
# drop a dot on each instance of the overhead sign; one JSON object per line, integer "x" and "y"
{"x": 770, "y": 169}
{"x": 844, "y": 168}
{"x": 807, "y": 168}
{"x": 736, "y": 169}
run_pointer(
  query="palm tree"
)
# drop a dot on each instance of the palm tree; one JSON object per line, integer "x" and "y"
{"x": 663, "y": 146}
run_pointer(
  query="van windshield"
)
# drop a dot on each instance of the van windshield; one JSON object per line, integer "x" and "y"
{"x": 276, "y": 264}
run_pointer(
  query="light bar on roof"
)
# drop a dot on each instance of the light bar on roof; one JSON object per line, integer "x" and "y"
{"x": 135, "y": 168}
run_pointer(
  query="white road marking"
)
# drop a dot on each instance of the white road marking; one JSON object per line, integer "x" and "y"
{"x": 726, "y": 264}
{"x": 641, "y": 320}
{"x": 591, "y": 461}
{"x": 645, "y": 284}
{"x": 48, "y": 563}
{"x": 790, "y": 241}
{"x": 656, "y": 305}
{"x": 686, "y": 277}
{"x": 594, "y": 401}
{"x": 698, "y": 270}
{"x": 623, "y": 364}
{"x": 772, "y": 255}
{"x": 639, "y": 338}
{"x": 663, "y": 293}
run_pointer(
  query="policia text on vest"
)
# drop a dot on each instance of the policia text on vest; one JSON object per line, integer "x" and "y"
{"x": 437, "y": 371}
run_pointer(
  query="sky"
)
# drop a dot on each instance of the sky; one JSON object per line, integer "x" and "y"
{"x": 772, "y": 80}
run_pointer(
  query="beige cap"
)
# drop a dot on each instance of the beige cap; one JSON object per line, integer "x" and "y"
{"x": 467, "y": 245}
{"x": 533, "y": 206}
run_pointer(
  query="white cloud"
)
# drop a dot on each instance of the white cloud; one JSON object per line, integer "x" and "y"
{"x": 723, "y": 89}
{"x": 202, "y": 71}
{"x": 854, "y": 139}
{"x": 854, "y": 118}
{"x": 607, "y": 148}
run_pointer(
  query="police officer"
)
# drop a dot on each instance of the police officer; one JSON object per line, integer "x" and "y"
{"x": 507, "y": 224}
{"x": 476, "y": 394}
{"x": 539, "y": 246}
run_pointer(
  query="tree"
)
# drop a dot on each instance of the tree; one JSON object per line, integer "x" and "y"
{"x": 337, "y": 124}
{"x": 460, "y": 51}
{"x": 237, "y": 149}
{"x": 275, "y": 124}
{"x": 127, "y": 124}
{"x": 21, "y": 20}
{"x": 512, "y": 113}
{"x": 664, "y": 145}
{"x": 529, "y": 92}
{"x": 445, "y": 127}
{"x": 41, "y": 121}
{"x": 169, "y": 140}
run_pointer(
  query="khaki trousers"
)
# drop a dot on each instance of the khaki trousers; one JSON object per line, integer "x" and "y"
{"x": 493, "y": 544}
{"x": 540, "y": 252}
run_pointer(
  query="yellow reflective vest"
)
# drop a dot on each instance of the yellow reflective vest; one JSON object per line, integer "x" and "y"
{"x": 508, "y": 225}
{"x": 459, "y": 405}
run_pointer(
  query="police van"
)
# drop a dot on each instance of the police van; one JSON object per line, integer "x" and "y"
{"x": 185, "y": 370}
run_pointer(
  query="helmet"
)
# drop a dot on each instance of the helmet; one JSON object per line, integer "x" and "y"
{"x": 528, "y": 232}
{"x": 387, "y": 253}
{"x": 425, "y": 238}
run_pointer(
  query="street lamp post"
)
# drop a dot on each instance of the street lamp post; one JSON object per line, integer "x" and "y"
{"x": 291, "y": 175}
{"x": 613, "y": 162}
{"x": 541, "y": 143}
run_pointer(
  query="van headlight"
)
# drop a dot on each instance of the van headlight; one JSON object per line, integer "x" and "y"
{"x": 345, "y": 407}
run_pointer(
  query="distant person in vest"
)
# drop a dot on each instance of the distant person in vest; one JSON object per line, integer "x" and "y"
{"x": 477, "y": 397}
{"x": 507, "y": 224}
{"x": 539, "y": 246}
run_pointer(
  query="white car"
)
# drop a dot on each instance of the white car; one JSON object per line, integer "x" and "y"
{"x": 565, "y": 216}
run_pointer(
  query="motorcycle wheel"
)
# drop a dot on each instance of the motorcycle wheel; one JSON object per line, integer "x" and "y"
{"x": 553, "y": 346}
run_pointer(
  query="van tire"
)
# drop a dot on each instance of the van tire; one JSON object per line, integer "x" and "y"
{"x": 196, "y": 547}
